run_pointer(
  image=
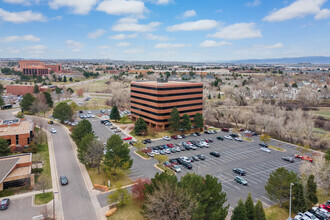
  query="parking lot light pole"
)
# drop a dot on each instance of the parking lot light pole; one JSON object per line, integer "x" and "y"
{"x": 291, "y": 184}
{"x": 54, "y": 204}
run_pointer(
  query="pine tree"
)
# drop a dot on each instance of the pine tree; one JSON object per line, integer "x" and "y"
{"x": 64, "y": 79}
{"x": 311, "y": 190}
{"x": 4, "y": 147}
{"x": 114, "y": 114}
{"x": 298, "y": 201}
{"x": 186, "y": 123}
{"x": 141, "y": 127}
{"x": 239, "y": 212}
{"x": 198, "y": 121}
{"x": 36, "y": 89}
{"x": 259, "y": 213}
{"x": 249, "y": 207}
{"x": 209, "y": 96}
{"x": 219, "y": 96}
{"x": 175, "y": 119}
{"x": 27, "y": 101}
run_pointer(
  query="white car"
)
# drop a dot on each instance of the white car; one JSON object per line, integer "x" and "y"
{"x": 53, "y": 130}
{"x": 179, "y": 136}
{"x": 265, "y": 149}
{"x": 150, "y": 154}
{"x": 176, "y": 168}
{"x": 229, "y": 137}
{"x": 155, "y": 152}
{"x": 89, "y": 112}
{"x": 166, "y": 138}
{"x": 168, "y": 151}
{"x": 177, "y": 149}
{"x": 238, "y": 139}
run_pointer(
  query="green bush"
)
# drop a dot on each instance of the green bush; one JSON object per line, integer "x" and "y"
{"x": 6, "y": 193}
{"x": 37, "y": 170}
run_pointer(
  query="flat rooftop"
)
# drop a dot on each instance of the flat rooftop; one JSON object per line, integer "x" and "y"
{"x": 8, "y": 164}
{"x": 22, "y": 127}
{"x": 167, "y": 84}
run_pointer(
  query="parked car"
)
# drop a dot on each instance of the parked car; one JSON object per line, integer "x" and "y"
{"x": 241, "y": 180}
{"x": 167, "y": 164}
{"x": 304, "y": 157}
{"x": 239, "y": 171}
{"x": 182, "y": 148}
{"x": 214, "y": 153}
{"x": 150, "y": 154}
{"x": 170, "y": 145}
{"x": 64, "y": 180}
{"x": 180, "y": 161}
{"x": 146, "y": 141}
{"x": 162, "y": 152}
{"x": 174, "y": 137}
{"x": 4, "y": 204}
{"x": 183, "y": 136}
{"x": 173, "y": 161}
{"x": 166, "y": 138}
{"x": 225, "y": 129}
{"x": 50, "y": 122}
{"x": 326, "y": 205}
{"x": 254, "y": 134}
{"x": 177, "y": 149}
{"x": 201, "y": 156}
{"x": 53, "y": 130}
{"x": 310, "y": 215}
{"x": 195, "y": 158}
{"x": 127, "y": 138}
{"x": 132, "y": 142}
{"x": 263, "y": 145}
{"x": 193, "y": 147}
{"x": 228, "y": 137}
{"x": 233, "y": 135}
{"x": 187, "y": 165}
{"x": 198, "y": 134}
{"x": 220, "y": 138}
{"x": 317, "y": 215}
{"x": 179, "y": 136}
{"x": 265, "y": 149}
{"x": 211, "y": 140}
{"x": 176, "y": 168}
{"x": 207, "y": 132}
{"x": 289, "y": 159}
{"x": 238, "y": 139}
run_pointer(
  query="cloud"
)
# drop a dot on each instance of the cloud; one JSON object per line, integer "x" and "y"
{"x": 123, "y": 44}
{"x": 133, "y": 51}
{"x": 122, "y": 7}
{"x": 272, "y": 46}
{"x": 36, "y": 49}
{"x": 200, "y": 25}
{"x": 103, "y": 47}
{"x": 96, "y": 34}
{"x": 162, "y": 2}
{"x": 168, "y": 46}
{"x": 297, "y": 9}
{"x": 254, "y": 3}
{"x": 23, "y": 2}
{"x": 238, "y": 31}
{"x": 20, "y": 38}
{"x": 156, "y": 37}
{"x": 122, "y": 36}
{"x": 21, "y": 17}
{"x": 323, "y": 14}
{"x": 189, "y": 13}
{"x": 131, "y": 24}
{"x": 211, "y": 43}
{"x": 77, "y": 6}
{"x": 75, "y": 46}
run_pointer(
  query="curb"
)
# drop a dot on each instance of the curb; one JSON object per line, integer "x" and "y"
{"x": 155, "y": 165}
{"x": 141, "y": 156}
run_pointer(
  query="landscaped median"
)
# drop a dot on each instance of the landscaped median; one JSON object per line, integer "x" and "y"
{"x": 276, "y": 148}
{"x": 141, "y": 154}
{"x": 43, "y": 198}
{"x": 162, "y": 168}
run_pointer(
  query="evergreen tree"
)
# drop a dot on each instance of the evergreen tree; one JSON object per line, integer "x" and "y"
{"x": 83, "y": 128}
{"x": 198, "y": 121}
{"x": 49, "y": 99}
{"x": 209, "y": 96}
{"x": 114, "y": 114}
{"x": 4, "y": 147}
{"x": 141, "y": 127}
{"x": 186, "y": 123}
{"x": 174, "y": 120}
{"x": 70, "y": 79}
{"x": 64, "y": 79}
{"x": 83, "y": 147}
{"x": 36, "y": 89}
{"x": 219, "y": 96}
{"x": 311, "y": 190}
{"x": 259, "y": 213}
{"x": 63, "y": 112}
{"x": 249, "y": 207}
{"x": 239, "y": 212}
{"x": 298, "y": 201}
{"x": 27, "y": 101}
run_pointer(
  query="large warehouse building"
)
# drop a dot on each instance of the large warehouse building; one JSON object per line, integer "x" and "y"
{"x": 154, "y": 100}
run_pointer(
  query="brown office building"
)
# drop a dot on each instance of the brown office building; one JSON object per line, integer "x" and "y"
{"x": 154, "y": 100}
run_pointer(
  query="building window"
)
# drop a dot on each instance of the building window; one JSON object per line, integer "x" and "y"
{"x": 17, "y": 139}
{"x": 168, "y": 107}
{"x": 167, "y": 95}
{"x": 167, "y": 89}
{"x": 167, "y": 101}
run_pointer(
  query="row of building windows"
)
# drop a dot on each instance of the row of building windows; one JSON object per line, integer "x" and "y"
{"x": 168, "y": 107}
{"x": 153, "y": 119}
{"x": 166, "y": 101}
{"x": 167, "y": 89}
{"x": 166, "y": 95}
{"x": 165, "y": 114}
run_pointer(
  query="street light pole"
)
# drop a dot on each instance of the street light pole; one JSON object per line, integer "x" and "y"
{"x": 291, "y": 184}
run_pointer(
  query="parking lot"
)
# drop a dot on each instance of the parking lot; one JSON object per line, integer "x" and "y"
{"x": 246, "y": 155}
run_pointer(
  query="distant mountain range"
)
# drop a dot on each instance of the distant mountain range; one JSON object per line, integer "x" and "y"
{"x": 291, "y": 60}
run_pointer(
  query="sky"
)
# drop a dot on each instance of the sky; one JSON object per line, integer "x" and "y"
{"x": 164, "y": 30}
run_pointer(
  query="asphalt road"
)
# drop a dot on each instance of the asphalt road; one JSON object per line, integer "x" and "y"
{"x": 234, "y": 154}
{"x": 75, "y": 198}
{"x": 21, "y": 209}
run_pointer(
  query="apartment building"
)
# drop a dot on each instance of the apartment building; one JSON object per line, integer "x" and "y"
{"x": 154, "y": 100}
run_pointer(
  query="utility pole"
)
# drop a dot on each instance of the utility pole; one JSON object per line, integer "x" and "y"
{"x": 291, "y": 184}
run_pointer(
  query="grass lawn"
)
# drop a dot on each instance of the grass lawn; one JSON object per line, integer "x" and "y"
{"x": 103, "y": 178}
{"x": 277, "y": 213}
{"x": 322, "y": 196}
{"x": 93, "y": 87}
{"x": 323, "y": 111}
{"x": 142, "y": 154}
{"x": 43, "y": 198}
{"x": 165, "y": 169}
{"x": 94, "y": 103}
{"x": 276, "y": 148}
{"x": 43, "y": 155}
{"x": 128, "y": 212}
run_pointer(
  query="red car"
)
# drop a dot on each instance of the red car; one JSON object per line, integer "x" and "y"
{"x": 225, "y": 129}
{"x": 127, "y": 138}
{"x": 326, "y": 205}
{"x": 167, "y": 164}
{"x": 170, "y": 145}
{"x": 304, "y": 157}
{"x": 206, "y": 140}
{"x": 188, "y": 142}
{"x": 174, "y": 137}
{"x": 242, "y": 129}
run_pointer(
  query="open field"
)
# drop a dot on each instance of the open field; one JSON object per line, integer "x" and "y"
{"x": 128, "y": 212}
{"x": 323, "y": 111}
{"x": 96, "y": 86}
